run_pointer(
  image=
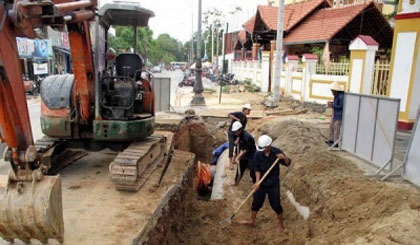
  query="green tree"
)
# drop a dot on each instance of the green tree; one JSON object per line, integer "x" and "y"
{"x": 162, "y": 49}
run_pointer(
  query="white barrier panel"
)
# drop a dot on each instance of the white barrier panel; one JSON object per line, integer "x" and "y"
{"x": 412, "y": 166}
{"x": 162, "y": 90}
{"x": 369, "y": 127}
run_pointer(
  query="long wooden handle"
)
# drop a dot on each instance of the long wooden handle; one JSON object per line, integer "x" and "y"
{"x": 259, "y": 183}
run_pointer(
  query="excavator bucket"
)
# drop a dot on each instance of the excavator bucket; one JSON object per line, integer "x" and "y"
{"x": 32, "y": 210}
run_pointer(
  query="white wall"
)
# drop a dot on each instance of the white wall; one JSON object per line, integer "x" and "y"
{"x": 407, "y": 7}
{"x": 369, "y": 70}
{"x": 415, "y": 98}
{"x": 356, "y": 75}
{"x": 403, "y": 63}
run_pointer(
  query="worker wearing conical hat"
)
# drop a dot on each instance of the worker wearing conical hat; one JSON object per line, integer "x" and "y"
{"x": 336, "y": 121}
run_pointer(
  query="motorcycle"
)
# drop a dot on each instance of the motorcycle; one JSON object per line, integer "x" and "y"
{"x": 228, "y": 79}
{"x": 33, "y": 86}
{"x": 187, "y": 81}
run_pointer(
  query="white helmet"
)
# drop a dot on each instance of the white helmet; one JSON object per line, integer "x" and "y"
{"x": 236, "y": 126}
{"x": 247, "y": 106}
{"x": 264, "y": 142}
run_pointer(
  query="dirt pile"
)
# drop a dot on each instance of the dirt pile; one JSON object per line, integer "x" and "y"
{"x": 193, "y": 136}
{"x": 345, "y": 207}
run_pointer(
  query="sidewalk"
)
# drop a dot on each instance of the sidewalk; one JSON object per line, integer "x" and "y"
{"x": 229, "y": 102}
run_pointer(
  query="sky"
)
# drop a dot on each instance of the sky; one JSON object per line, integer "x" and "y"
{"x": 175, "y": 16}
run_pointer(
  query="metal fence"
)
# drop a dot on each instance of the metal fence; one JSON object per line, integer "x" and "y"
{"x": 369, "y": 128}
{"x": 2, "y": 148}
{"x": 381, "y": 77}
{"x": 336, "y": 68}
{"x": 412, "y": 159}
{"x": 162, "y": 90}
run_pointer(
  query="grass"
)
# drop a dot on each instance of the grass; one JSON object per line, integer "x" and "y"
{"x": 209, "y": 90}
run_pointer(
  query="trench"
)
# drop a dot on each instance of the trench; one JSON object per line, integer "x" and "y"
{"x": 326, "y": 198}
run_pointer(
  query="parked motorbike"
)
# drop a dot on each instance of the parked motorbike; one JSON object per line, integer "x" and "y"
{"x": 32, "y": 86}
{"x": 228, "y": 79}
{"x": 187, "y": 81}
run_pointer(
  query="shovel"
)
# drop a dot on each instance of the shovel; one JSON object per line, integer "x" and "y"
{"x": 238, "y": 167}
{"x": 229, "y": 220}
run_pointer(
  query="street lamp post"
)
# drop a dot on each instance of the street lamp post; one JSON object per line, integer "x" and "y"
{"x": 198, "y": 99}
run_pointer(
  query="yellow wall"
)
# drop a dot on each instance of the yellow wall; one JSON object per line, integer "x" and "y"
{"x": 405, "y": 25}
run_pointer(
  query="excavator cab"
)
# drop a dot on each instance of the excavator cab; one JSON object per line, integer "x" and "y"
{"x": 121, "y": 103}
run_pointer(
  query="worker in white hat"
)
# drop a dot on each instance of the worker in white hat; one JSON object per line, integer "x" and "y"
{"x": 239, "y": 116}
{"x": 265, "y": 157}
{"x": 246, "y": 153}
{"x": 336, "y": 120}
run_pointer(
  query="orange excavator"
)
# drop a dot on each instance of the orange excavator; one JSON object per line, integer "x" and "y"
{"x": 107, "y": 103}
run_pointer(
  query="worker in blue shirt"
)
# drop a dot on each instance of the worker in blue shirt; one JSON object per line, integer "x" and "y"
{"x": 218, "y": 152}
{"x": 336, "y": 121}
{"x": 246, "y": 146}
{"x": 239, "y": 116}
{"x": 265, "y": 156}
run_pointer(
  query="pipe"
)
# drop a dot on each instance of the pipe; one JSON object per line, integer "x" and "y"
{"x": 62, "y": 8}
{"x": 82, "y": 15}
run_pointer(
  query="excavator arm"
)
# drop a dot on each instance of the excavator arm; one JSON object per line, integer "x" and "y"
{"x": 31, "y": 206}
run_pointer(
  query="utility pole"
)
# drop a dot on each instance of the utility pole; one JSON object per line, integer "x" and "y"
{"x": 192, "y": 37}
{"x": 198, "y": 99}
{"x": 216, "y": 56}
{"x": 212, "y": 43}
{"x": 224, "y": 62}
{"x": 279, "y": 47}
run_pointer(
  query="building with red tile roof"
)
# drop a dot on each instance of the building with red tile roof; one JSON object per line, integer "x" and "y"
{"x": 314, "y": 23}
{"x": 342, "y": 24}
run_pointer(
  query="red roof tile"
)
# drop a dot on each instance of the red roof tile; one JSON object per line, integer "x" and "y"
{"x": 250, "y": 24}
{"x": 242, "y": 36}
{"x": 293, "y": 13}
{"x": 324, "y": 24}
{"x": 368, "y": 40}
{"x": 292, "y": 57}
{"x": 310, "y": 56}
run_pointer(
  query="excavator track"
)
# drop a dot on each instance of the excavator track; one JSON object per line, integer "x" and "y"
{"x": 132, "y": 167}
{"x": 57, "y": 159}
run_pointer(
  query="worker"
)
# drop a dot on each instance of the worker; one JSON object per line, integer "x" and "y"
{"x": 265, "y": 156}
{"x": 246, "y": 145}
{"x": 240, "y": 116}
{"x": 336, "y": 120}
{"x": 218, "y": 152}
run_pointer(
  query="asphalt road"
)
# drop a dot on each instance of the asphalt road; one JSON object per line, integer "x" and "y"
{"x": 176, "y": 77}
{"x": 34, "y": 107}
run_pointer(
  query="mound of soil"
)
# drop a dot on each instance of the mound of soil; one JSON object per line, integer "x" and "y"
{"x": 194, "y": 136}
{"x": 345, "y": 207}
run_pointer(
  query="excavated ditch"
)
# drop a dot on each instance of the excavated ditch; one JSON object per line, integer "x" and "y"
{"x": 345, "y": 207}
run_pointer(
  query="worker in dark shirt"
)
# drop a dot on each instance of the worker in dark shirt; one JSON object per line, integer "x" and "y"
{"x": 265, "y": 156}
{"x": 240, "y": 116}
{"x": 336, "y": 121}
{"x": 246, "y": 146}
